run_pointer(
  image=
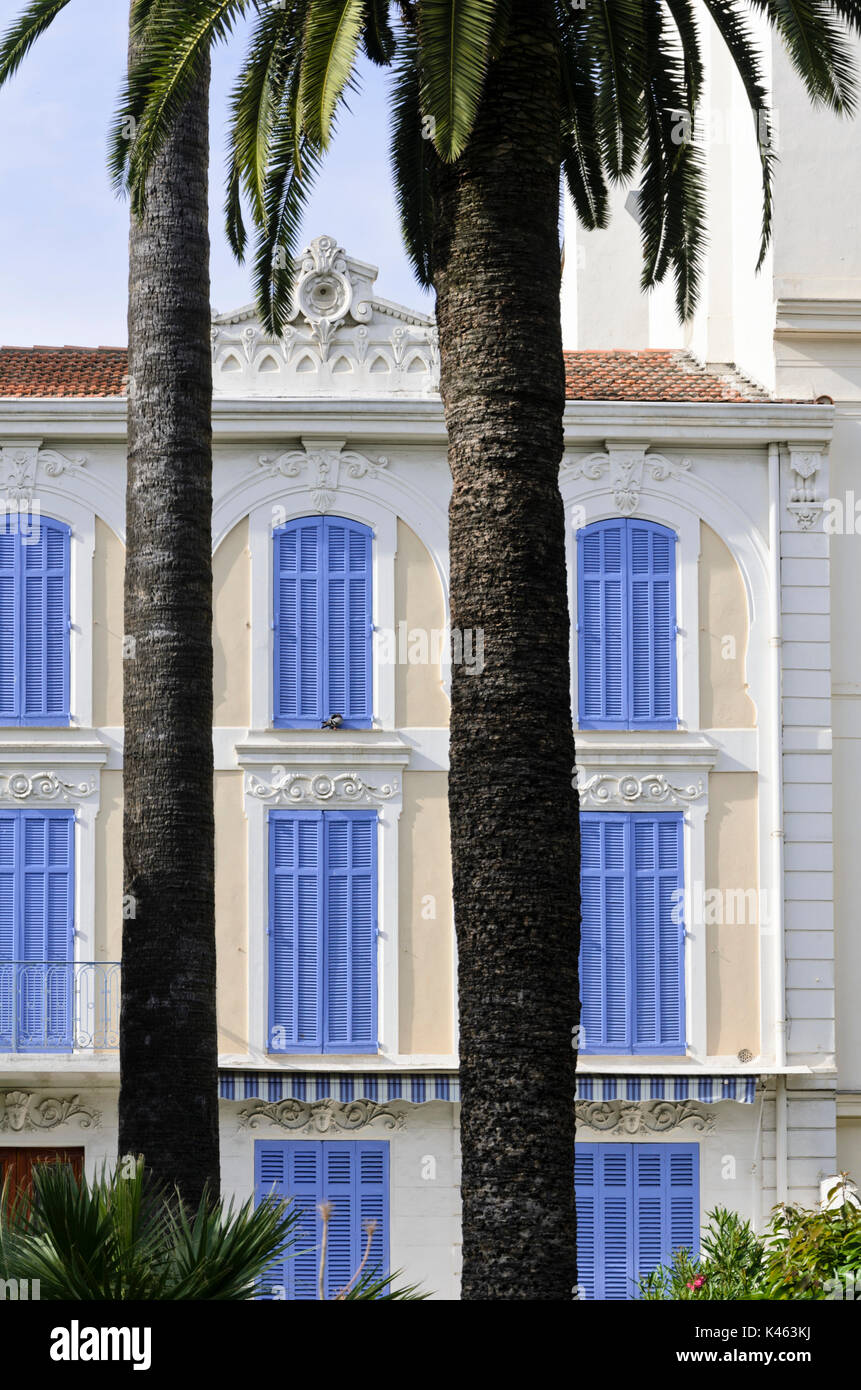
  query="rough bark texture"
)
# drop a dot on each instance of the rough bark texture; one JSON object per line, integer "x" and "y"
{"x": 514, "y": 823}
{"x": 168, "y": 1041}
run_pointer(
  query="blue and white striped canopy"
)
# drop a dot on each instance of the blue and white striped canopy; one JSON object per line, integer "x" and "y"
{"x": 420, "y": 1087}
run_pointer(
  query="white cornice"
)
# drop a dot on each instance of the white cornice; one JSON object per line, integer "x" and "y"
{"x": 420, "y": 421}
{"x": 307, "y": 748}
{"x": 818, "y": 318}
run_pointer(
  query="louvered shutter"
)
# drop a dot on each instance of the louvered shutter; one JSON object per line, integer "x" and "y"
{"x": 652, "y": 580}
{"x": 666, "y": 1203}
{"x": 605, "y": 953}
{"x": 659, "y": 996}
{"x": 299, "y": 623}
{"x": 351, "y": 931}
{"x": 44, "y": 993}
{"x": 348, "y": 680}
{"x": 636, "y": 1205}
{"x": 9, "y": 659}
{"x": 45, "y": 605}
{"x": 356, "y": 1185}
{"x": 602, "y": 555}
{"x": 373, "y": 1198}
{"x": 296, "y": 931}
{"x": 292, "y": 1170}
{"x": 8, "y": 838}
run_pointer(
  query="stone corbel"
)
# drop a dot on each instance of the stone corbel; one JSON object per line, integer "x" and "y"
{"x": 804, "y": 502}
{"x": 325, "y": 463}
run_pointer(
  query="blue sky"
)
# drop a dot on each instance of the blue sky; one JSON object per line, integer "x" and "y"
{"x": 63, "y": 233}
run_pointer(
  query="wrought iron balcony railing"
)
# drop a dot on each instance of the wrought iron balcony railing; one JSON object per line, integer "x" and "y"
{"x": 59, "y": 1006}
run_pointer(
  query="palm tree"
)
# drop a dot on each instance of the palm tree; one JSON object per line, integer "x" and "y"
{"x": 168, "y": 1106}
{"x": 490, "y": 100}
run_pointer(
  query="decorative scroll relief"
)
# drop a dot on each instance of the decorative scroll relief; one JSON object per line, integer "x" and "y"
{"x": 804, "y": 502}
{"x": 285, "y": 788}
{"x": 19, "y": 1111}
{"x": 633, "y": 1117}
{"x": 625, "y": 469}
{"x": 43, "y": 786}
{"x": 606, "y": 791}
{"x": 320, "y": 1116}
{"x": 325, "y": 469}
{"x": 20, "y": 469}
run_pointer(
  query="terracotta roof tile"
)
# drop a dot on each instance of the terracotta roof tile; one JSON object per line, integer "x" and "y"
{"x": 590, "y": 375}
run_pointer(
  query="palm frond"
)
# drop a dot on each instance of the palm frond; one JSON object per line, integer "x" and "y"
{"x": 27, "y": 28}
{"x": 818, "y": 46}
{"x": 455, "y": 38}
{"x": 378, "y": 38}
{"x": 581, "y": 150}
{"x": 332, "y": 32}
{"x": 615, "y": 42}
{"x": 412, "y": 155}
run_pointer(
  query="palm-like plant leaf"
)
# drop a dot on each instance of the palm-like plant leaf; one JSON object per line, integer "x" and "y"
{"x": 615, "y": 41}
{"x": 455, "y": 38}
{"x": 378, "y": 38}
{"x": 412, "y": 158}
{"x": 818, "y": 48}
{"x": 20, "y": 36}
{"x": 332, "y": 32}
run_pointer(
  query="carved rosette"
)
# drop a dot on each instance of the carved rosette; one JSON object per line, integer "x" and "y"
{"x": 20, "y": 1112}
{"x": 42, "y": 786}
{"x": 320, "y": 1116}
{"x": 635, "y": 1117}
{"x": 653, "y": 789}
{"x": 286, "y": 787}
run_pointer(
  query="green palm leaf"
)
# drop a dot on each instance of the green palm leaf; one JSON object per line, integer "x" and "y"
{"x": 455, "y": 38}
{"x": 332, "y": 32}
{"x": 20, "y": 36}
{"x": 412, "y": 158}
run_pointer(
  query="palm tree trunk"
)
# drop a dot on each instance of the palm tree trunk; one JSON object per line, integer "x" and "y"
{"x": 168, "y": 1039}
{"x": 514, "y": 824}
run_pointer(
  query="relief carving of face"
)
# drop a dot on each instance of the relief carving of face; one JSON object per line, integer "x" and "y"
{"x": 16, "y": 1104}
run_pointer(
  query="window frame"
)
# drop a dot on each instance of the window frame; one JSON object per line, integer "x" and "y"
{"x": 43, "y": 720}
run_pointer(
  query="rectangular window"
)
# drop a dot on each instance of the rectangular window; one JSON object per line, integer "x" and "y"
{"x": 626, "y": 625}
{"x": 636, "y": 1205}
{"x": 323, "y": 623}
{"x": 37, "y": 906}
{"x": 632, "y": 944}
{"x": 34, "y": 621}
{"x": 323, "y": 931}
{"x": 353, "y": 1178}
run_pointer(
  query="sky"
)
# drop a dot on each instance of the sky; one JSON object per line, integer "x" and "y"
{"x": 63, "y": 231}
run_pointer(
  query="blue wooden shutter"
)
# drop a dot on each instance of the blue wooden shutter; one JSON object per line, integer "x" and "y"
{"x": 602, "y": 602}
{"x": 353, "y": 1178}
{"x": 9, "y": 627}
{"x": 351, "y": 931}
{"x": 8, "y": 913}
{"x": 292, "y": 1170}
{"x": 652, "y": 579}
{"x": 605, "y": 953}
{"x": 666, "y": 1203}
{"x": 296, "y": 931}
{"x": 348, "y": 679}
{"x": 299, "y": 623}
{"x": 636, "y": 1205}
{"x": 604, "y": 1186}
{"x": 45, "y": 606}
{"x": 46, "y": 868}
{"x": 659, "y": 992}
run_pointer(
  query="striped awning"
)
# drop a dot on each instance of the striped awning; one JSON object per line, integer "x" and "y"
{"x": 708, "y": 1089}
{"x": 416, "y": 1087}
{"x": 420, "y": 1087}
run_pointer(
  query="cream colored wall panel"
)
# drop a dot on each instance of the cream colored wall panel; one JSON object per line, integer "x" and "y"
{"x": 109, "y": 868}
{"x": 420, "y": 700}
{"x": 231, "y": 896}
{"x": 724, "y": 633}
{"x": 732, "y": 858}
{"x": 231, "y": 631}
{"x": 108, "y": 573}
{"x": 425, "y": 923}
{"x": 849, "y": 1147}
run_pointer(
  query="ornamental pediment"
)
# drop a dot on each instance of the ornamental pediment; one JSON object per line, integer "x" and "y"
{"x": 341, "y": 338}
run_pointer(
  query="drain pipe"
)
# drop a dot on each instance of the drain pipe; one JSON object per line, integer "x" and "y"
{"x": 777, "y": 857}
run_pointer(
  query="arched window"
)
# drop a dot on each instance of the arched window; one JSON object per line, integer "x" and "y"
{"x": 626, "y": 625}
{"x": 34, "y": 621}
{"x": 323, "y": 623}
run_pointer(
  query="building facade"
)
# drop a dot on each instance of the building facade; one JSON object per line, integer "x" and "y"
{"x": 711, "y": 641}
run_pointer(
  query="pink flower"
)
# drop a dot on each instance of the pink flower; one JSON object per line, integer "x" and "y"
{"x": 698, "y": 1282}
